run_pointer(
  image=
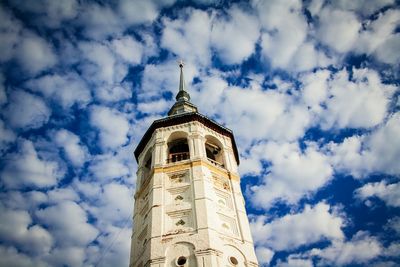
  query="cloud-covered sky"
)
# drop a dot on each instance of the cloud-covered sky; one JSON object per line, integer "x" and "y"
{"x": 310, "y": 89}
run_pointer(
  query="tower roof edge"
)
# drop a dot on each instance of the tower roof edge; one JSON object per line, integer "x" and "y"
{"x": 184, "y": 118}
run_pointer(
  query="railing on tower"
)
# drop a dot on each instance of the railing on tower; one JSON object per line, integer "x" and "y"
{"x": 216, "y": 163}
{"x": 174, "y": 157}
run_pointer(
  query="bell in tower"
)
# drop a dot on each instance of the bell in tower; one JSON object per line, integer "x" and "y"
{"x": 189, "y": 208}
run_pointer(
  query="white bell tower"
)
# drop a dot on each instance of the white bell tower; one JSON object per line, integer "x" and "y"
{"x": 189, "y": 208}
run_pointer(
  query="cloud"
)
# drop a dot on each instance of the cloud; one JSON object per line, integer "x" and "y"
{"x": 363, "y": 7}
{"x": 264, "y": 255}
{"x": 389, "y": 193}
{"x": 360, "y": 249}
{"x": 26, "y": 201}
{"x": 315, "y": 89}
{"x": 80, "y": 232}
{"x": 158, "y": 79}
{"x": 313, "y": 224}
{"x": 118, "y": 253}
{"x": 3, "y": 95}
{"x": 108, "y": 167}
{"x": 292, "y": 174}
{"x": 113, "y": 93}
{"x": 379, "y": 37}
{"x": 394, "y": 224}
{"x": 112, "y": 125}
{"x": 26, "y": 110}
{"x": 26, "y": 168}
{"x": 362, "y": 155}
{"x": 338, "y": 29}
{"x": 18, "y": 228}
{"x": 284, "y": 36}
{"x": 75, "y": 152}
{"x": 34, "y": 54}
{"x": 128, "y": 49}
{"x": 6, "y": 136}
{"x": 99, "y": 21}
{"x": 48, "y": 13}
{"x": 101, "y": 64}
{"x": 188, "y": 37}
{"x": 64, "y": 89}
{"x": 10, "y": 30}
{"x": 357, "y": 102}
{"x": 10, "y": 256}
{"x": 276, "y": 114}
{"x": 295, "y": 262}
{"x": 234, "y": 37}
{"x": 111, "y": 210}
{"x": 70, "y": 256}
{"x": 136, "y": 12}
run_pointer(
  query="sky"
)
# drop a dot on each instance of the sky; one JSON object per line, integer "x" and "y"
{"x": 310, "y": 89}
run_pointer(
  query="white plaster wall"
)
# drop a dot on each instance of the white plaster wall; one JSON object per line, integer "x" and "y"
{"x": 202, "y": 239}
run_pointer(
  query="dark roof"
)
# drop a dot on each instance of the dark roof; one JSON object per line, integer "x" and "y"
{"x": 184, "y": 118}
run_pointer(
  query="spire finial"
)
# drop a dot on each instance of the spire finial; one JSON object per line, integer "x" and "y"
{"x": 181, "y": 63}
{"x": 182, "y": 104}
{"x": 182, "y": 94}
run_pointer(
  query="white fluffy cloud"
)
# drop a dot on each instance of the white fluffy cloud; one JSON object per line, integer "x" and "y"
{"x": 10, "y": 256}
{"x": 286, "y": 28}
{"x": 48, "y": 13}
{"x": 65, "y": 89}
{"x": 109, "y": 93}
{"x": 141, "y": 11}
{"x": 6, "y": 136}
{"x": 360, "y": 249}
{"x": 378, "y": 34}
{"x": 284, "y": 38}
{"x": 338, "y": 29}
{"x": 34, "y": 54}
{"x": 26, "y": 110}
{"x": 75, "y": 152}
{"x": 80, "y": 232}
{"x": 107, "y": 168}
{"x": 128, "y": 49}
{"x": 188, "y": 37}
{"x": 295, "y": 262}
{"x": 234, "y": 38}
{"x": 160, "y": 78}
{"x": 26, "y": 168}
{"x": 359, "y": 102}
{"x": 264, "y": 255}
{"x": 10, "y": 30}
{"x": 394, "y": 224}
{"x": 362, "y": 155}
{"x": 111, "y": 208}
{"x": 18, "y": 228}
{"x": 292, "y": 174}
{"x": 363, "y": 7}
{"x": 70, "y": 256}
{"x": 311, "y": 225}
{"x": 274, "y": 114}
{"x": 101, "y": 63}
{"x": 112, "y": 125}
{"x": 389, "y": 193}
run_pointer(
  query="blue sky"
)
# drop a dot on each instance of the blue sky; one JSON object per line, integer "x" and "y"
{"x": 309, "y": 88}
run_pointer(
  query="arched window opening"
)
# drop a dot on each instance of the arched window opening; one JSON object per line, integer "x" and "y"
{"x": 178, "y": 150}
{"x": 146, "y": 167}
{"x": 214, "y": 154}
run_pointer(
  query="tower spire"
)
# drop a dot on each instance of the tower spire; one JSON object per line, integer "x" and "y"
{"x": 182, "y": 104}
{"x": 182, "y": 95}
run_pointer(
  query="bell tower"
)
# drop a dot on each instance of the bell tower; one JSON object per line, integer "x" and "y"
{"x": 189, "y": 208}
